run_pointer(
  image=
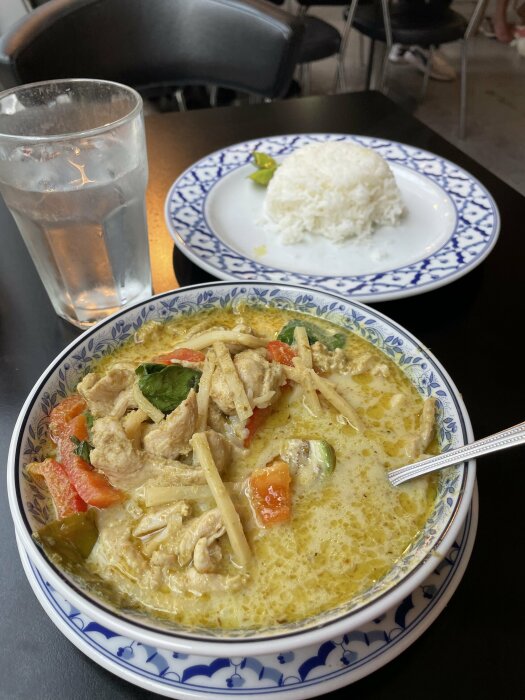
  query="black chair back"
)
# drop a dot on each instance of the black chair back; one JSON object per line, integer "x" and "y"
{"x": 246, "y": 45}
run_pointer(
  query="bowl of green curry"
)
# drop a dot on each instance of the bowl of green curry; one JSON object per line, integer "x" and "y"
{"x": 207, "y": 470}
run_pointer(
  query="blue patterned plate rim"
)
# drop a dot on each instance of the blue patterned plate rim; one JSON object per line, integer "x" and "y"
{"x": 471, "y": 241}
{"x": 460, "y": 484}
{"x": 313, "y": 672}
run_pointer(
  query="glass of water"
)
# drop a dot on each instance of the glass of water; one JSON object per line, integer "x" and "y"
{"x": 73, "y": 172}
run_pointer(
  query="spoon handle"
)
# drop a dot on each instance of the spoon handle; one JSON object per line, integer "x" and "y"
{"x": 499, "y": 441}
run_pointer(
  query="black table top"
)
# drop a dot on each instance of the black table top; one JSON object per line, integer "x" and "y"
{"x": 475, "y": 647}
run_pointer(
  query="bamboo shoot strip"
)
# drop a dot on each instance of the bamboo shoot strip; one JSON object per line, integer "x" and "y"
{"x": 294, "y": 373}
{"x": 300, "y": 375}
{"x": 230, "y": 517}
{"x": 240, "y": 400}
{"x": 149, "y": 409}
{"x": 203, "y": 397}
{"x": 208, "y": 338}
{"x": 329, "y": 392}
{"x": 304, "y": 362}
{"x": 303, "y": 346}
{"x": 132, "y": 424}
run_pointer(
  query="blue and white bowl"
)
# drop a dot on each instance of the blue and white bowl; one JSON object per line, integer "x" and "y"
{"x": 29, "y": 505}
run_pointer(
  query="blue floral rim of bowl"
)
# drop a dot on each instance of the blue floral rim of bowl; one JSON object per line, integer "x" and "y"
{"x": 28, "y": 503}
{"x": 295, "y": 675}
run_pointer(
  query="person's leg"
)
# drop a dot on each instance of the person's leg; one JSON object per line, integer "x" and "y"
{"x": 503, "y": 29}
{"x": 418, "y": 56}
{"x": 440, "y": 68}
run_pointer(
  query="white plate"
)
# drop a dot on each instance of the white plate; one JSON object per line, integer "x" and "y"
{"x": 215, "y": 215}
{"x": 309, "y": 672}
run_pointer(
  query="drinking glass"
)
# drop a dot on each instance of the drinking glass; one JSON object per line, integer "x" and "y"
{"x": 73, "y": 173}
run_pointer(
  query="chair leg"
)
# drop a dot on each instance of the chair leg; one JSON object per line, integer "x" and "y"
{"x": 340, "y": 82}
{"x": 340, "y": 74}
{"x": 370, "y": 65}
{"x": 304, "y": 68}
{"x": 304, "y": 78}
{"x": 388, "y": 37}
{"x": 361, "y": 41}
{"x": 384, "y": 69}
{"x": 213, "y": 91}
{"x": 181, "y": 100}
{"x": 463, "y": 90}
{"x": 426, "y": 74}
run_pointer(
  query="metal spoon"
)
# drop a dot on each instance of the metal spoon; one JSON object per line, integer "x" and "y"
{"x": 499, "y": 441}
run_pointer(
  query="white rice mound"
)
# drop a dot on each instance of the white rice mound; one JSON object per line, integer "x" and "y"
{"x": 335, "y": 189}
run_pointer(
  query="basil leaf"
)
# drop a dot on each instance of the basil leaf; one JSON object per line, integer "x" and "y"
{"x": 262, "y": 177}
{"x": 83, "y": 448}
{"x": 166, "y": 386}
{"x": 263, "y": 160}
{"x": 147, "y": 368}
{"x": 315, "y": 334}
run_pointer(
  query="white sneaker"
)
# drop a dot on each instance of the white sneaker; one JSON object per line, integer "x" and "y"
{"x": 440, "y": 68}
{"x": 397, "y": 53}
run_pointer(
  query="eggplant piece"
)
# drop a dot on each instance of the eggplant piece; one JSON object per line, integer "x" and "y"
{"x": 310, "y": 461}
{"x": 71, "y": 538}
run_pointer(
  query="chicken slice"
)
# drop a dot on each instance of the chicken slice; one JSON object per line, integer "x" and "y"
{"x": 111, "y": 394}
{"x": 325, "y": 360}
{"x": 160, "y": 544}
{"x": 206, "y": 556}
{"x": 150, "y": 330}
{"x": 367, "y": 362}
{"x": 261, "y": 380}
{"x": 113, "y": 452}
{"x": 220, "y": 393}
{"x": 157, "y": 518}
{"x": 114, "y": 548}
{"x": 170, "y": 438}
{"x": 419, "y": 442}
{"x": 209, "y": 525}
{"x": 216, "y": 419}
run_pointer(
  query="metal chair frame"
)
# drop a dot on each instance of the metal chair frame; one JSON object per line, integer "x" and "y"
{"x": 304, "y": 68}
{"x": 472, "y": 27}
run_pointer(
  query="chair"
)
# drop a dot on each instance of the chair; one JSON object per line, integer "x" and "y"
{"x": 399, "y": 25}
{"x": 320, "y": 40}
{"x": 154, "y": 45}
{"x": 339, "y": 43}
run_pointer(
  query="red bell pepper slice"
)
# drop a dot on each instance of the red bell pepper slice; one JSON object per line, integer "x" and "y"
{"x": 181, "y": 354}
{"x": 281, "y": 352}
{"x": 67, "y": 420}
{"x": 65, "y": 497}
{"x": 270, "y": 493}
{"x": 254, "y": 422}
{"x": 63, "y": 414}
